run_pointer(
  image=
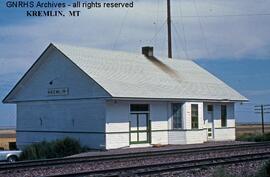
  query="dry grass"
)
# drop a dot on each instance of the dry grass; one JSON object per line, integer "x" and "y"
{"x": 251, "y": 129}
{"x": 7, "y": 136}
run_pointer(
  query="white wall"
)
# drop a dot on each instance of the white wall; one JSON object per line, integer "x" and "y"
{"x": 57, "y": 68}
{"x": 193, "y": 137}
{"x": 187, "y": 135}
{"x": 47, "y": 120}
{"x": 222, "y": 133}
{"x": 230, "y": 114}
{"x": 117, "y": 120}
{"x": 177, "y": 137}
{"x": 187, "y": 116}
{"x": 159, "y": 120}
{"x": 105, "y": 124}
{"x": 117, "y": 125}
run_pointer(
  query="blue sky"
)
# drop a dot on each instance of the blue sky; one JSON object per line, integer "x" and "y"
{"x": 229, "y": 38}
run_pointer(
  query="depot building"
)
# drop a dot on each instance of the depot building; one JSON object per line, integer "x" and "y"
{"x": 109, "y": 99}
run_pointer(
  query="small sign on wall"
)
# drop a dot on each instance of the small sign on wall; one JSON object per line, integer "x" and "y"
{"x": 57, "y": 91}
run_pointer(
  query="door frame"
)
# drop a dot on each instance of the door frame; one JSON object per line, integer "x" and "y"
{"x": 147, "y": 131}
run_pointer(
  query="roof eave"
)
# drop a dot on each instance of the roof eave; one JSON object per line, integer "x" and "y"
{"x": 179, "y": 99}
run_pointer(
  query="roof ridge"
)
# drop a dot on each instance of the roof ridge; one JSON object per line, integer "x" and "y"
{"x": 57, "y": 45}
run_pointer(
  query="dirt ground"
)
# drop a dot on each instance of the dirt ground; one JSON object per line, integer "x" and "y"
{"x": 251, "y": 128}
{"x": 7, "y": 136}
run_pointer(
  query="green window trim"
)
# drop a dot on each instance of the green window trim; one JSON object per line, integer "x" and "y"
{"x": 194, "y": 116}
{"x": 223, "y": 112}
{"x": 139, "y": 110}
{"x": 139, "y": 107}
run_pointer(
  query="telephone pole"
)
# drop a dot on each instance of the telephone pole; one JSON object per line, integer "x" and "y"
{"x": 262, "y": 109}
{"x": 169, "y": 29}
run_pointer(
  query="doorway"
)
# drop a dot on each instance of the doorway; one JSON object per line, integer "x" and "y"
{"x": 210, "y": 122}
{"x": 139, "y": 128}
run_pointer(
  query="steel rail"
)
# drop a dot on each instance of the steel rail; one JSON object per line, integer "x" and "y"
{"x": 170, "y": 166}
{"x": 62, "y": 161}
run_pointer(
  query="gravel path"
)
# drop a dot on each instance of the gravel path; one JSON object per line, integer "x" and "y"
{"x": 79, "y": 167}
{"x": 160, "y": 148}
{"x": 247, "y": 169}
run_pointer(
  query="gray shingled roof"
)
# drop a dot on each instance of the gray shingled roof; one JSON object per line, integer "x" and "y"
{"x": 129, "y": 75}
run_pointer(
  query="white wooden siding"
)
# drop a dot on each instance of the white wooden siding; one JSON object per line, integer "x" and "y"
{"x": 61, "y": 71}
{"x": 230, "y": 114}
{"x": 159, "y": 121}
{"x": 88, "y": 139}
{"x": 177, "y": 137}
{"x": 196, "y": 136}
{"x": 187, "y": 135}
{"x": 117, "y": 120}
{"x": 37, "y": 121}
{"x": 187, "y": 115}
{"x": 222, "y": 134}
{"x": 117, "y": 140}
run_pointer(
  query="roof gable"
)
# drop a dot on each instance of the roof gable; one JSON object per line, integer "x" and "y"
{"x": 54, "y": 72}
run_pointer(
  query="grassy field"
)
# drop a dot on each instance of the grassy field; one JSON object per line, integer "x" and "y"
{"x": 251, "y": 129}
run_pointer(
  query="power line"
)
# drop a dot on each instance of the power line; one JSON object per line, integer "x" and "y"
{"x": 120, "y": 31}
{"x": 201, "y": 28}
{"x": 223, "y": 15}
{"x": 157, "y": 20}
{"x": 262, "y": 109}
{"x": 177, "y": 34}
{"x": 161, "y": 27}
{"x": 183, "y": 28}
{"x": 176, "y": 45}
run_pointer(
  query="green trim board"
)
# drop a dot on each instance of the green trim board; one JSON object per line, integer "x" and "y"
{"x": 62, "y": 99}
{"x": 138, "y": 142}
{"x": 86, "y": 132}
{"x": 224, "y": 127}
{"x": 149, "y": 133}
{"x": 139, "y": 132}
{"x": 57, "y": 131}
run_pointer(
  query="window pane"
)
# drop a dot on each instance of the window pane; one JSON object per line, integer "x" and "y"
{"x": 134, "y": 137}
{"x": 142, "y": 121}
{"x": 194, "y": 116}
{"x": 133, "y": 122}
{"x": 139, "y": 107}
{"x": 177, "y": 115}
{"x": 209, "y": 107}
{"x": 142, "y": 136}
{"x": 223, "y": 115}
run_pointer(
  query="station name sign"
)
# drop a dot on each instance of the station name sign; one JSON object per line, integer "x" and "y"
{"x": 57, "y": 91}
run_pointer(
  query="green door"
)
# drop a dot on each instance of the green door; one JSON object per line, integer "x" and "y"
{"x": 139, "y": 128}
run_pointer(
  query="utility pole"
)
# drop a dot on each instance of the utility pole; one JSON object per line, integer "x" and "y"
{"x": 262, "y": 109}
{"x": 169, "y": 29}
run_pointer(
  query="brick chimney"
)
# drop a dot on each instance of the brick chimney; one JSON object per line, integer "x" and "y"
{"x": 148, "y": 51}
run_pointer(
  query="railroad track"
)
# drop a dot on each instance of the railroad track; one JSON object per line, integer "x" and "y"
{"x": 144, "y": 170}
{"x": 100, "y": 158}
